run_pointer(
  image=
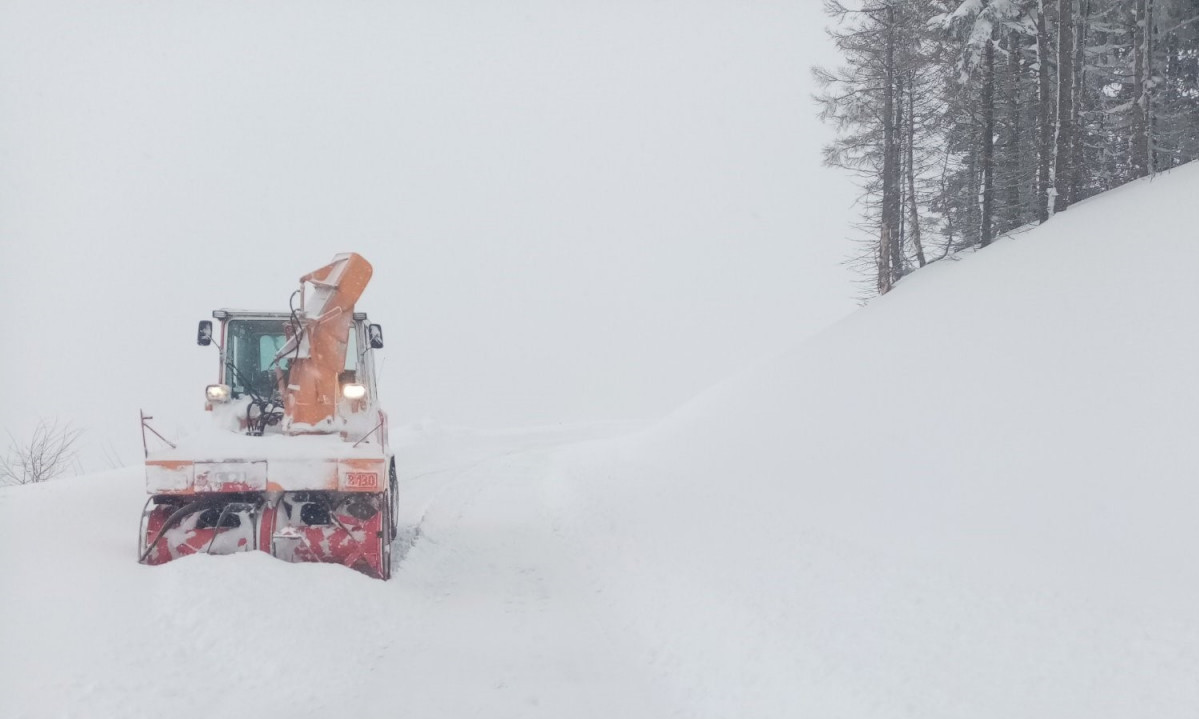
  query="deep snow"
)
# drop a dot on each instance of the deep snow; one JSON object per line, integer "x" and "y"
{"x": 486, "y": 616}
{"x": 975, "y": 497}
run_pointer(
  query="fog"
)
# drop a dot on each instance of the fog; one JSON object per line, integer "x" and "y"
{"x": 575, "y": 211}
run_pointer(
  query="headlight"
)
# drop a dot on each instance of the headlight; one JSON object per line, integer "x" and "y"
{"x": 353, "y": 391}
{"x": 217, "y": 393}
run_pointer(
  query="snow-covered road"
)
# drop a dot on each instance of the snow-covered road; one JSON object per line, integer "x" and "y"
{"x": 488, "y": 613}
{"x": 501, "y": 618}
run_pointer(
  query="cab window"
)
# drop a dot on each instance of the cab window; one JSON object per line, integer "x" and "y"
{"x": 352, "y": 349}
{"x": 250, "y": 351}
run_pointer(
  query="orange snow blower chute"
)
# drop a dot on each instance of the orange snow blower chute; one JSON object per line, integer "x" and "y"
{"x": 310, "y": 402}
{"x": 296, "y": 462}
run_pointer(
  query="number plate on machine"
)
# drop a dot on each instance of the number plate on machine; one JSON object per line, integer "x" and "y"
{"x": 362, "y": 480}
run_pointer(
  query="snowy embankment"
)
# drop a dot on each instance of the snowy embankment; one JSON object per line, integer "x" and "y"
{"x": 975, "y": 498}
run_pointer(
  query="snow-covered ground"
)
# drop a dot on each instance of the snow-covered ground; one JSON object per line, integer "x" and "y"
{"x": 489, "y": 615}
{"x": 974, "y": 498}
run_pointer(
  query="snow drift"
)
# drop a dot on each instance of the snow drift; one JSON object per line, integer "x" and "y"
{"x": 976, "y": 497}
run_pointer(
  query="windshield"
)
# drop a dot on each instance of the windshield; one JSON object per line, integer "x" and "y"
{"x": 251, "y": 346}
{"x": 250, "y": 353}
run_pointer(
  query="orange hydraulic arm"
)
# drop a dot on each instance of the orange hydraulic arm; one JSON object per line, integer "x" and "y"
{"x": 319, "y": 352}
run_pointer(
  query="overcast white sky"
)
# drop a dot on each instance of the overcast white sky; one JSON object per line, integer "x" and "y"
{"x": 575, "y": 211}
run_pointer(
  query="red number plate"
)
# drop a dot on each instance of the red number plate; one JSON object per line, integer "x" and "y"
{"x": 362, "y": 480}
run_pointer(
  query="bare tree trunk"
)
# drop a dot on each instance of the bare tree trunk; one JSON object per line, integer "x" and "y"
{"x": 1044, "y": 119}
{"x": 1014, "y": 165}
{"x": 988, "y": 158}
{"x": 897, "y": 235}
{"x": 1078, "y": 163}
{"x": 1150, "y": 118}
{"x": 884, "y": 260}
{"x": 1140, "y": 119}
{"x": 1064, "y": 170}
{"x": 913, "y": 205}
{"x": 971, "y": 221}
{"x": 892, "y": 254}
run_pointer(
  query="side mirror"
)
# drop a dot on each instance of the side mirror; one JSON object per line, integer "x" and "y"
{"x": 374, "y": 333}
{"x": 204, "y": 333}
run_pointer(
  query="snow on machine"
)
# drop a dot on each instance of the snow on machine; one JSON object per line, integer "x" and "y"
{"x": 296, "y": 461}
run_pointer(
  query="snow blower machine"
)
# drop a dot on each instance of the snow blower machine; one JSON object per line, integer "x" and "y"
{"x": 295, "y": 462}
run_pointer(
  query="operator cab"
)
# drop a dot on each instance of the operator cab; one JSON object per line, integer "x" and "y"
{"x": 249, "y": 343}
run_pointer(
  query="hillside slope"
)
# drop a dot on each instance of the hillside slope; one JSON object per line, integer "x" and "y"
{"x": 976, "y": 497}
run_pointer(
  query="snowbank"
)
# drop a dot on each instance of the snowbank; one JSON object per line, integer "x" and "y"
{"x": 976, "y": 497}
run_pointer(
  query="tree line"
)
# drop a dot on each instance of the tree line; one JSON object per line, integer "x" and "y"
{"x": 967, "y": 119}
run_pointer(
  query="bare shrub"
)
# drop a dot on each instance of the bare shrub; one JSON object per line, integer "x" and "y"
{"x": 47, "y": 454}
